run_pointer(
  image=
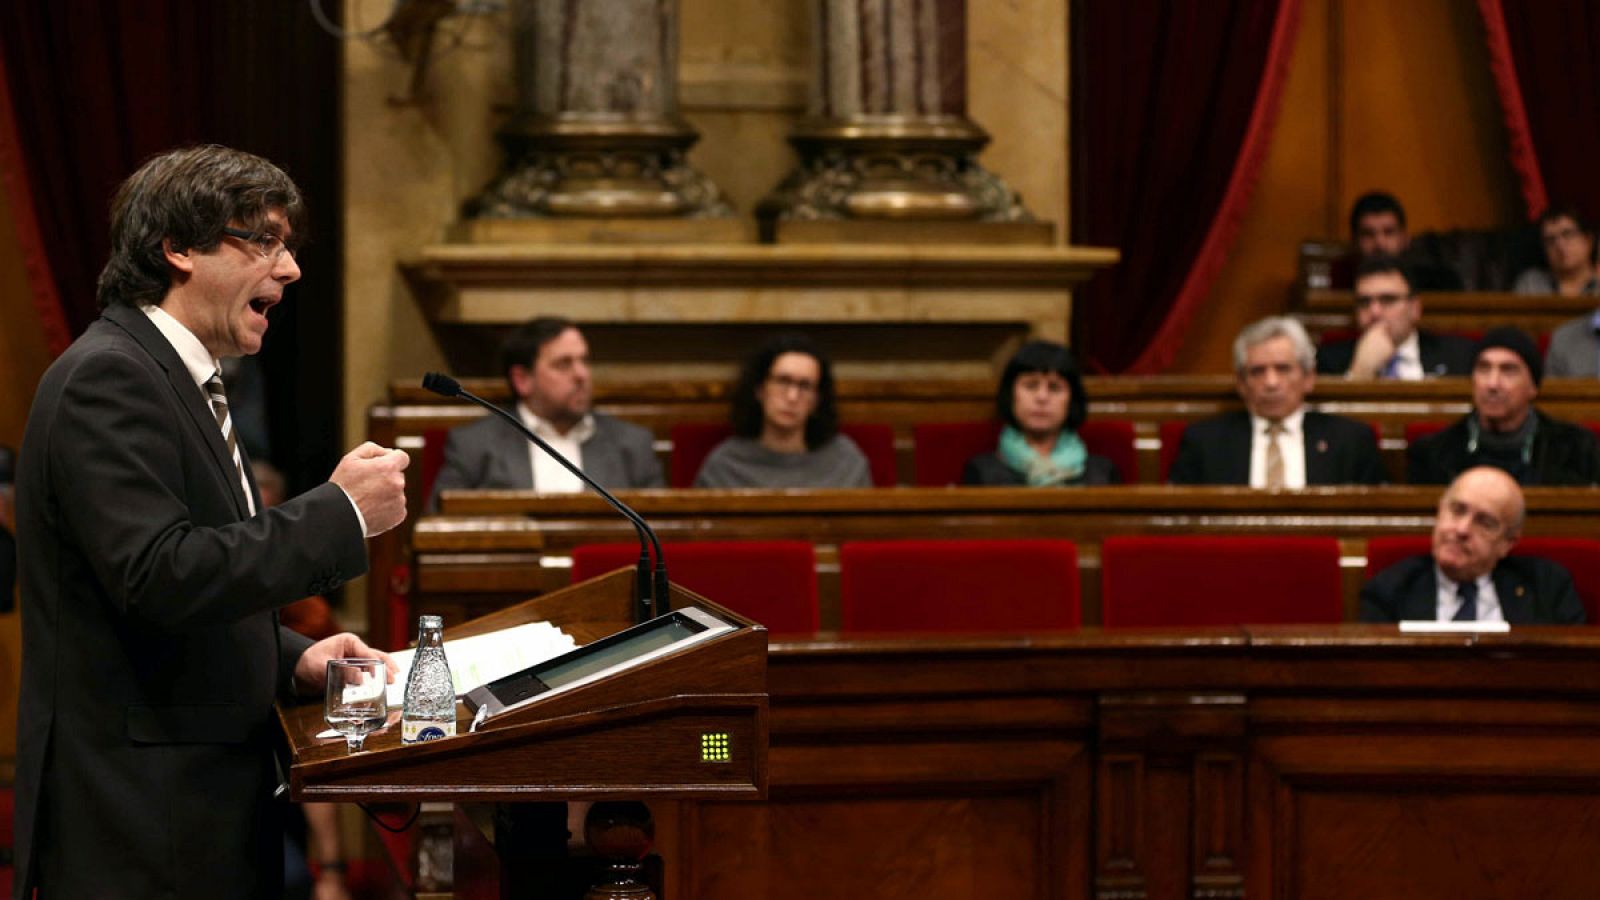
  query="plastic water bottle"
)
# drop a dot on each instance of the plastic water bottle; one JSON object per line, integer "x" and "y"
{"x": 430, "y": 707}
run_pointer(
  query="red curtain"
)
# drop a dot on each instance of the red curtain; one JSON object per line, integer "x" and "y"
{"x": 98, "y": 86}
{"x": 1172, "y": 110}
{"x": 25, "y": 222}
{"x": 1545, "y": 58}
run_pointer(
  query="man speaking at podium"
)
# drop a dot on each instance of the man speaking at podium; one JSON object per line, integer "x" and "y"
{"x": 151, "y": 573}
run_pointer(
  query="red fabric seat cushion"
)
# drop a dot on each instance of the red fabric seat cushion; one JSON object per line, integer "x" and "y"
{"x": 958, "y": 586}
{"x": 772, "y": 582}
{"x": 1178, "y": 581}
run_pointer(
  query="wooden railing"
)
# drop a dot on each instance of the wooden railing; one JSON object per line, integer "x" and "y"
{"x": 493, "y": 547}
{"x": 1266, "y": 763}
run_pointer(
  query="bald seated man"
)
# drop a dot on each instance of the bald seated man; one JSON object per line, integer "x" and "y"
{"x": 1469, "y": 577}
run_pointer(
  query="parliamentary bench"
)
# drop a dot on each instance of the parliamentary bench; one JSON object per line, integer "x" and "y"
{"x": 416, "y": 420}
{"x": 489, "y": 548}
{"x": 1457, "y": 312}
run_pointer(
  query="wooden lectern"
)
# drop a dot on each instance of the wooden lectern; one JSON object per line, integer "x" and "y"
{"x": 691, "y": 725}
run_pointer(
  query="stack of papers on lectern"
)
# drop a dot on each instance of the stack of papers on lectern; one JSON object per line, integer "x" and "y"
{"x": 480, "y": 659}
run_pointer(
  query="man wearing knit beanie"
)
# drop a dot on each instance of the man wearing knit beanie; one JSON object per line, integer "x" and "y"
{"x": 1504, "y": 428}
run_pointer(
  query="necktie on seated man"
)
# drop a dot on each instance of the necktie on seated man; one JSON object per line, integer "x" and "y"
{"x": 1274, "y": 456}
{"x": 219, "y": 408}
{"x": 1391, "y": 368}
{"x": 1467, "y": 591}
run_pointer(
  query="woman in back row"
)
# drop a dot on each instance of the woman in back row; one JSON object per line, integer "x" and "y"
{"x": 1041, "y": 404}
{"x": 785, "y": 426}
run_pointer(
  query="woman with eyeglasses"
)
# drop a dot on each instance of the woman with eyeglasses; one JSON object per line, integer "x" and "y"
{"x": 785, "y": 427}
{"x": 1569, "y": 252}
{"x": 1041, "y": 404}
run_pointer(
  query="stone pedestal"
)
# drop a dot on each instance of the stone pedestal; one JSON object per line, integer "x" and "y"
{"x": 886, "y": 137}
{"x": 597, "y": 131}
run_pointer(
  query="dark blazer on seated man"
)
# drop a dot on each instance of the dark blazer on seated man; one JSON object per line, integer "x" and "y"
{"x": 1531, "y": 591}
{"x": 1556, "y": 453}
{"x": 1441, "y": 355}
{"x": 1337, "y": 451}
{"x": 489, "y": 454}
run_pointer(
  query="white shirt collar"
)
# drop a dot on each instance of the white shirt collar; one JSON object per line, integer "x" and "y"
{"x": 1291, "y": 423}
{"x": 199, "y": 361}
{"x": 1448, "y": 599}
{"x": 578, "y": 434}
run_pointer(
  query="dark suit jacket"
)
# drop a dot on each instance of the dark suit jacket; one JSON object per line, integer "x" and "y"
{"x": 1563, "y": 454}
{"x": 151, "y": 650}
{"x": 1217, "y": 451}
{"x": 1442, "y": 354}
{"x": 1532, "y": 591}
{"x": 989, "y": 469}
{"x": 490, "y": 454}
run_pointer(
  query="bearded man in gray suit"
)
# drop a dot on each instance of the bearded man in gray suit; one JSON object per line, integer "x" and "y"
{"x": 546, "y": 362}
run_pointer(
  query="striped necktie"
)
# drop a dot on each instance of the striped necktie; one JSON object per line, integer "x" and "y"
{"x": 219, "y": 407}
{"x": 1275, "y": 476}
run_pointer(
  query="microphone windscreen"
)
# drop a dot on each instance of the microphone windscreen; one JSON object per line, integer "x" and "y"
{"x": 442, "y": 384}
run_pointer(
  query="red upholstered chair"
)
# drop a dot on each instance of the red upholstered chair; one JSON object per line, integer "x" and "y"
{"x": 1594, "y": 427}
{"x": 1416, "y": 430}
{"x": 958, "y": 586}
{"x": 1113, "y": 439}
{"x": 941, "y": 449}
{"x": 692, "y": 442}
{"x": 876, "y": 441}
{"x": 1383, "y": 552}
{"x": 1171, "y": 437}
{"x": 773, "y": 582}
{"x": 1178, "y": 581}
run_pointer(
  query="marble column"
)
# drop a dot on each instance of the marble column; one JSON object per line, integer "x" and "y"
{"x": 597, "y": 130}
{"x": 886, "y": 135}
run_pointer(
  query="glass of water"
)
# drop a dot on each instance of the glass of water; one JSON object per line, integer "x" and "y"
{"x": 358, "y": 701}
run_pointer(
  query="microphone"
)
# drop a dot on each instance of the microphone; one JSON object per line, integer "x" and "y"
{"x": 646, "y": 589}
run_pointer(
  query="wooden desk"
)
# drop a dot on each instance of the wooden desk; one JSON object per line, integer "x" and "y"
{"x": 1282, "y": 763}
{"x": 496, "y": 546}
{"x": 1459, "y": 310}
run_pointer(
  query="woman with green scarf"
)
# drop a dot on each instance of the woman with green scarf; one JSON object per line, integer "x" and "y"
{"x": 1041, "y": 404}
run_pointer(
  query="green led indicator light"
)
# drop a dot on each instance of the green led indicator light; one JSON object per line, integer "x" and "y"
{"x": 714, "y": 747}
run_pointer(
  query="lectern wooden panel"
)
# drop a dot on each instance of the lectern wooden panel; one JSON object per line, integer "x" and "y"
{"x": 1287, "y": 762}
{"x": 633, "y": 734}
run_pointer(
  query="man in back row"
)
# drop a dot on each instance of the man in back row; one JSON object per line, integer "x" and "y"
{"x": 1378, "y": 228}
{"x": 1504, "y": 428}
{"x": 1469, "y": 577}
{"x": 546, "y": 364}
{"x": 1276, "y": 442}
{"x": 1391, "y": 345}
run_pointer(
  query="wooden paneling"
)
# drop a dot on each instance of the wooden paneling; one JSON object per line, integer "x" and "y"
{"x": 1364, "y": 763}
{"x": 496, "y": 545}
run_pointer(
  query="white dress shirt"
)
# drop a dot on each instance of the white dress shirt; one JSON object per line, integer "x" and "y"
{"x": 1449, "y": 602}
{"x": 549, "y": 476}
{"x": 201, "y": 365}
{"x": 1408, "y": 360}
{"x": 1292, "y": 443}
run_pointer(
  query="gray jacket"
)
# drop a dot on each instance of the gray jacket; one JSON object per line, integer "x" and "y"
{"x": 490, "y": 454}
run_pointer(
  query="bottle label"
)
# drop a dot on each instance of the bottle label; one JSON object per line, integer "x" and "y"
{"x": 420, "y": 732}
